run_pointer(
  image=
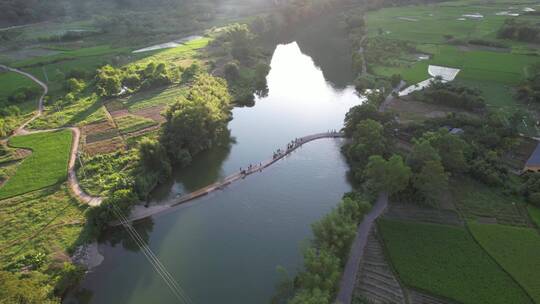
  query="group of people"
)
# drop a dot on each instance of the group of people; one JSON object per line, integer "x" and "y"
{"x": 278, "y": 153}
{"x": 250, "y": 168}
{"x": 290, "y": 146}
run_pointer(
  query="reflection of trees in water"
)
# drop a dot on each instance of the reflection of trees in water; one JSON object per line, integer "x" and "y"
{"x": 119, "y": 235}
{"x": 205, "y": 169}
{"x": 326, "y": 41}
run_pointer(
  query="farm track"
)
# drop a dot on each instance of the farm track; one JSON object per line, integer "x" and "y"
{"x": 72, "y": 176}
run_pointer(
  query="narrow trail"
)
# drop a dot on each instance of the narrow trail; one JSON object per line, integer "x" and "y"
{"x": 361, "y": 52}
{"x": 348, "y": 280}
{"x": 141, "y": 212}
{"x": 72, "y": 176}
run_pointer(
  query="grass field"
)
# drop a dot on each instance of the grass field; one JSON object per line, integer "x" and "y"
{"x": 133, "y": 123}
{"x": 177, "y": 55}
{"x": 11, "y": 82}
{"x": 83, "y": 111}
{"x": 55, "y": 225}
{"x": 534, "y": 213}
{"x": 475, "y": 199}
{"x": 446, "y": 261}
{"x": 429, "y": 23}
{"x": 46, "y": 166}
{"x": 150, "y": 98}
{"x": 436, "y": 29}
{"x": 516, "y": 250}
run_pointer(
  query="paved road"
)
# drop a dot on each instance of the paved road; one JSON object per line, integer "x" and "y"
{"x": 72, "y": 176}
{"x": 348, "y": 280}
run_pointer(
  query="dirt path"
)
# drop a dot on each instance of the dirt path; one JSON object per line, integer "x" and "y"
{"x": 348, "y": 280}
{"x": 72, "y": 176}
{"x": 361, "y": 52}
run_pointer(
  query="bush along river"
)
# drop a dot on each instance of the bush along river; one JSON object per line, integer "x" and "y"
{"x": 225, "y": 247}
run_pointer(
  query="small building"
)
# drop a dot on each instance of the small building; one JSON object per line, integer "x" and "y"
{"x": 533, "y": 163}
{"x": 456, "y": 131}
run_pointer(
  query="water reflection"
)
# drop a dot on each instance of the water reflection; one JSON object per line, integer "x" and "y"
{"x": 225, "y": 247}
{"x": 299, "y": 102}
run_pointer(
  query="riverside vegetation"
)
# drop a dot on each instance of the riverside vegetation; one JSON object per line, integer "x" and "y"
{"x": 95, "y": 79}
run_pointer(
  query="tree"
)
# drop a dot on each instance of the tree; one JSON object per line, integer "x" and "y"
{"x": 389, "y": 176}
{"x": 431, "y": 181}
{"x": 154, "y": 158}
{"x": 109, "y": 81}
{"x": 421, "y": 153}
{"x": 198, "y": 120}
{"x": 395, "y": 80}
{"x": 74, "y": 85}
{"x": 367, "y": 139}
{"x": 191, "y": 72}
{"x": 241, "y": 42}
{"x": 451, "y": 148}
{"x": 232, "y": 71}
{"x": 357, "y": 114}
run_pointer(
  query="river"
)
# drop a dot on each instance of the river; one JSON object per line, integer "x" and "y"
{"x": 224, "y": 248}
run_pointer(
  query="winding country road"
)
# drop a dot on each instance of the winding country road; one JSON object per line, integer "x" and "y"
{"x": 72, "y": 176}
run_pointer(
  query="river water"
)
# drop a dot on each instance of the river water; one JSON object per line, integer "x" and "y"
{"x": 224, "y": 248}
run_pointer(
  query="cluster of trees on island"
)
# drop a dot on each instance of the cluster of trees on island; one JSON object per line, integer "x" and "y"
{"x": 194, "y": 123}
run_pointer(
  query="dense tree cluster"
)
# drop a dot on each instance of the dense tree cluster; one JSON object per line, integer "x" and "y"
{"x": 519, "y": 30}
{"x": 111, "y": 81}
{"x": 529, "y": 90}
{"x": 325, "y": 259}
{"x": 247, "y": 68}
{"x": 198, "y": 120}
{"x": 452, "y": 95}
{"x": 13, "y": 12}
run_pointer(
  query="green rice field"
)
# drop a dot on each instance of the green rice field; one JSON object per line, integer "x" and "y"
{"x": 46, "y": 166}
{"x": 515, "y": 249}
{"x": 447, "y": 262}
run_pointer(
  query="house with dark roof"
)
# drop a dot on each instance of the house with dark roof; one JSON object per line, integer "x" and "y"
{"x": 533, "y": 163}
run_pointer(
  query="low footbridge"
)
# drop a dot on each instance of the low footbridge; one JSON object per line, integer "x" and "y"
{"x": 141, "y": 212}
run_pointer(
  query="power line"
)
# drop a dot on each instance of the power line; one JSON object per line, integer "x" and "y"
{"x": 157, "y": 265}
{"x": 152, "y": 258}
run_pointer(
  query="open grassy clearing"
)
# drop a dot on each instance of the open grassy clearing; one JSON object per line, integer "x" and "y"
{"x": 507, "y": 68}
{"x": 534, "y": 213}
{"x": 430, "y": 23}
{"x": 516, "y": 250}
{"x": 146, "y": 99}
{"x": 412, "y": 111}
{"x": 45, "y": 167}
{"x": 11, "y": 82}
{"x": 446, "y": 261}
{"x": 476, "y": 200}
{"x": 82, "y": 111}
{"x": 179, "y": 55}
{"x": 68, "y": 55}
{"x": 496, "y": 95}
{"x": 49, "y": 221}
{"x": 133, "y": 123}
